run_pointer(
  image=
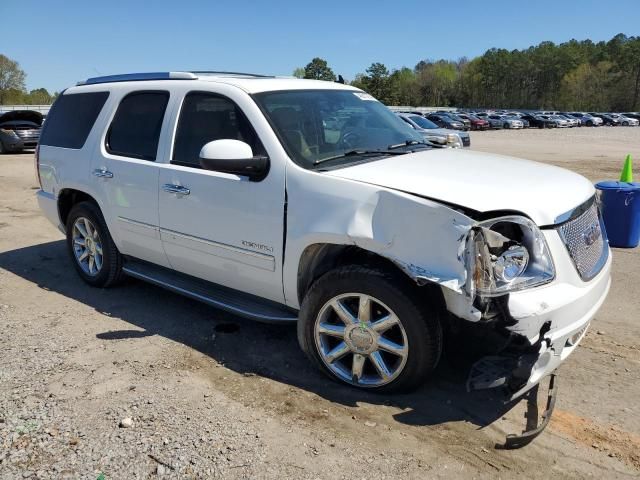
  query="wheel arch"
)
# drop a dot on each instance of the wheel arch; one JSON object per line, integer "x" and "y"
{"x": 319, "y": 258}
{"x": 67, "y": 198}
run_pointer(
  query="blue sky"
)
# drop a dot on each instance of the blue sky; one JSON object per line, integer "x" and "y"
{"x": 59, "y": 42}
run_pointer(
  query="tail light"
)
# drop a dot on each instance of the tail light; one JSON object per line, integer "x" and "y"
{"x": 37, "y": 165}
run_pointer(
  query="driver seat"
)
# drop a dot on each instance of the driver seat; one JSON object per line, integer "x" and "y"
{"x": 289, "y": 122}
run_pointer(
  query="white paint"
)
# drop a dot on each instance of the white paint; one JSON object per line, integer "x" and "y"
{"x": 481, "y": 181}
{"x": 226, "y": 150}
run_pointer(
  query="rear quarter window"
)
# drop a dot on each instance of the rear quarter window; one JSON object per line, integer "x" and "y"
{"x": 71, "y": 119}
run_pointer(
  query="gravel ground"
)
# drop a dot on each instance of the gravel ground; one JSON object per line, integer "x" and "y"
{"x": 134, "y": 382}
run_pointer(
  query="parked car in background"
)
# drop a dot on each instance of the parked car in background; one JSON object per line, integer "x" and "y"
{"x": 518, "y": 116}
{"x": 434, "y": 134}
{"x": 586, "y": 119}
{"x": 635, "y": 115}
{"x": 445, "y": 121}
{"x": 477, "y": 123}
{"x": 538, "y": 121}
{"x": 624, "y": 120}
{"x": 560, "y": 122}
{"x": 454, "y": 116}
{"x": 573, "y": 122}
{"x": 606, "y": 119}
{"x": 19, "y": 130}
{"x": 507, "y": 122}
{"x": 493, "y": 123}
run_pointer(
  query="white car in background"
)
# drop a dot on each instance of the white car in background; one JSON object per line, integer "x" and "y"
{"x": 625, "y": 121}
{"x": 288, "y": 200}
{"x": 434, "y": 134}
{"x": 586, "y": 119}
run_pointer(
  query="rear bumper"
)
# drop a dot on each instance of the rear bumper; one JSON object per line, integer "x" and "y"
{"x": 48, "y": 204}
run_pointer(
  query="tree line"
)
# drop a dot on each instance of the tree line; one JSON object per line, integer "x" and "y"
{"x": 12, "y": 86}
{"x": 575, "y": 75}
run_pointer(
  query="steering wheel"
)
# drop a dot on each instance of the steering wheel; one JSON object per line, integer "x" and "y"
{"x": 349, "y": 139}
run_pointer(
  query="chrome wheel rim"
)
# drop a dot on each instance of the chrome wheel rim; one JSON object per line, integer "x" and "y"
{"x": 361, "y": 340}
{"x": 87, "y": 246}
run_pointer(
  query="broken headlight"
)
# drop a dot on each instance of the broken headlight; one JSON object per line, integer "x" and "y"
{"x": 506, "y": 254}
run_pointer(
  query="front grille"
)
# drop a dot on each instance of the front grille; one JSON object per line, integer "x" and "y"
{"x": 585, "y": 239}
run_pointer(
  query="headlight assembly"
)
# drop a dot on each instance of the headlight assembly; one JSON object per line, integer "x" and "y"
{"x": 11, "y": 133}
{"x": 454, "y": 140}
{"x": 506, "y": 254}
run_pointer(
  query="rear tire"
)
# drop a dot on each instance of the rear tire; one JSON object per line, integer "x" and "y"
{"x": 2, "y": 149}
{"x": 93, "y": 252}
{"x": 340, "y": 331}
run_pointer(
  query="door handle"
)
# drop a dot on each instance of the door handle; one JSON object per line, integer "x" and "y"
{"x": 177, "y": 189}
{"x": 102, "y": 173}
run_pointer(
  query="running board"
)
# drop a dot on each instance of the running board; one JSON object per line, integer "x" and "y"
{"x": 232, "y": 301}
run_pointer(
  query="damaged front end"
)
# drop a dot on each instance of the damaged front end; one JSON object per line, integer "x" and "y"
{"x": 502, "y": 256}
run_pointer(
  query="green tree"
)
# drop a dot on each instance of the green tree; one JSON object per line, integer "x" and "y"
{"x": 299, "y": 72}
{"x": 587, "y": 87}
{"x": 404, "y": 83}
{"x": 11, "y": 79}
{"x": 39, "y": 96}
{"x": 318, "y": 69}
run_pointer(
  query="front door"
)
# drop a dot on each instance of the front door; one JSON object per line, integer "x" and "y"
{"x": 217, "y": 226}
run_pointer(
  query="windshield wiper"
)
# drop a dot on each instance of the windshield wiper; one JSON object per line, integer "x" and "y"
{"x": 406, "y": 143}
{"x": 353, "y": 153}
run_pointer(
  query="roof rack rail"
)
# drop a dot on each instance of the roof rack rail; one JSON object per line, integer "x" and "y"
{"x": 238, "y": 74}
{"x": 132, "y": 77}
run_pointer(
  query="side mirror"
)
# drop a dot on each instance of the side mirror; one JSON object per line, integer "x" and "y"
{"x": 233, "y": 156}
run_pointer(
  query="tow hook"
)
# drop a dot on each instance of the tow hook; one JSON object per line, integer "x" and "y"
{"x": 513, "y": 441}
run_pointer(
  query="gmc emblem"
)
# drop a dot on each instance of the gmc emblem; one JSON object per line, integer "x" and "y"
{"x": 591, "y": 234}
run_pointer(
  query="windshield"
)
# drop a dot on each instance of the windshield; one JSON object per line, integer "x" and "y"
{"x": 334, "y": 125}
{"x": 423, "y": 122}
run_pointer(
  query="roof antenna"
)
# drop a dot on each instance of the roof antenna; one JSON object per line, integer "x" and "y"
{"x": 340, "y": 79}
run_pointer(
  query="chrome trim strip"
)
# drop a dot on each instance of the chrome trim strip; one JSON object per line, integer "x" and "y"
{"x": 251, "y": 253}
{"x": 208, "y": 300}
{"x": 139, "y": 224}
{"x": 574, "y": 212}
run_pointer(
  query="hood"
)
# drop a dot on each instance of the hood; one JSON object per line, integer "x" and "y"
{"x": 21, "y": 115}
{"x": 483, "y": 182}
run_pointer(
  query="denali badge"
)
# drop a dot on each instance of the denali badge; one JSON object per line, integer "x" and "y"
{"x": 257, "y": 246}
{"x": 591, "y": 234}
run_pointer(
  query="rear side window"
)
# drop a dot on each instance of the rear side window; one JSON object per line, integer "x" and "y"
{"x": 71, "y": 119}
{"x": 135, "y": 129}
{"x": 206, "y": 117}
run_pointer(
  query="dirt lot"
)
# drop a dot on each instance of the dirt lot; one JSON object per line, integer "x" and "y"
{"x": 211, "y": 395}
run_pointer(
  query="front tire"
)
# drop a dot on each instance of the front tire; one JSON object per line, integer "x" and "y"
{"x": 368, "y": 328}
{"x": 94, "y": 255}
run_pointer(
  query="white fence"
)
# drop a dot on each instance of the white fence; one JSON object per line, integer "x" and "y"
{"x": 420, "y": 109}
{"x": 43, "y": 109}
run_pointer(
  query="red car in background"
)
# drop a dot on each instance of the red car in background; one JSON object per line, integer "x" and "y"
{"x": 476, "y": 123}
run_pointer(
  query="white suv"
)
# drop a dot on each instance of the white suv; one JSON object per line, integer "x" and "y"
{"x": 282, "y": 200}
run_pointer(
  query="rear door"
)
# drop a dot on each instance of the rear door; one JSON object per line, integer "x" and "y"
{"x": 222, "y": 227}
{"x": 125, "y": 173}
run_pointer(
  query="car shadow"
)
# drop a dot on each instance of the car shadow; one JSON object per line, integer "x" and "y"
{"x": 242, "y": 345}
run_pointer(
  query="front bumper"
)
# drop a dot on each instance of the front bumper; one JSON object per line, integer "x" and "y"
{"x": 540, "y": 326}
{"x": 569, "y": 311}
